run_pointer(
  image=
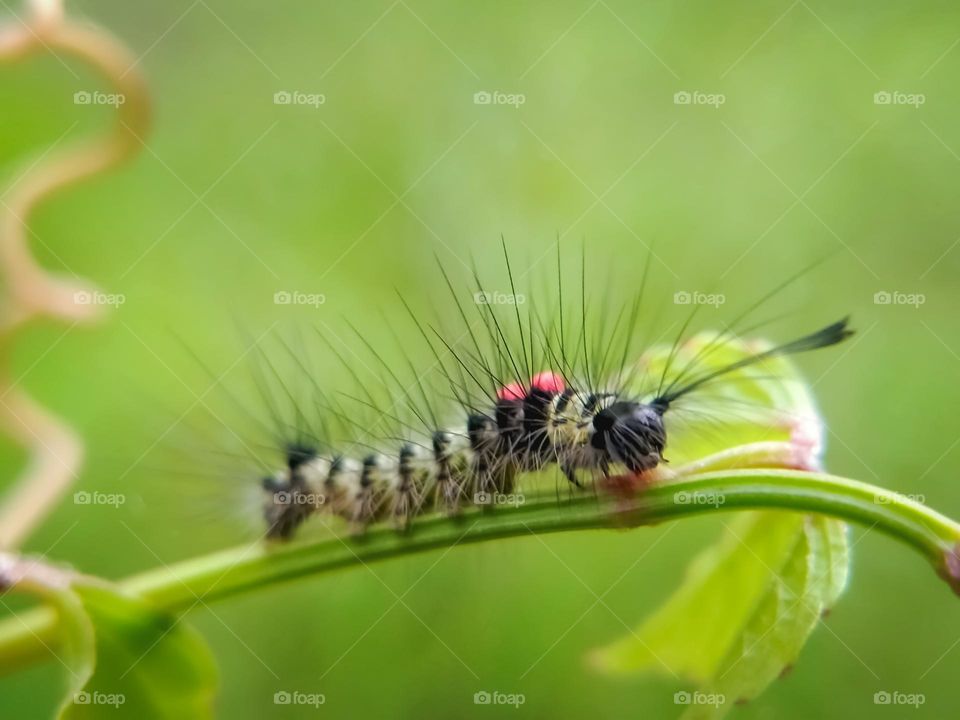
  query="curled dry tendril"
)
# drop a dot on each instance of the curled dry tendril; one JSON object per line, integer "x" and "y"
{"x": 30, "y": 291}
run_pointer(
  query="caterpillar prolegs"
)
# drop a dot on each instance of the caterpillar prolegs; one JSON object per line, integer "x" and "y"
{"x": 526, "y": 392}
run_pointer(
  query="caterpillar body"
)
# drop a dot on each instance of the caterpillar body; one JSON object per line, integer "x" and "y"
{"x": 515, "y": 418}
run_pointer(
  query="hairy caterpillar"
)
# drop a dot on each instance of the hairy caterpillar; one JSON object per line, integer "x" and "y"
{"x": 524, "y": 393}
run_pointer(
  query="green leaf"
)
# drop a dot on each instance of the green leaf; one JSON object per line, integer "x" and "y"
{"x": 124, "y": 659}
{"x": 77, "y": 643}
{"x": 53, "y": 585}
{"x": 690, "y": 635}
{"x": 812, "y": 576}
{"x": 146, "y": 664}
{"x": 744, "y": 611}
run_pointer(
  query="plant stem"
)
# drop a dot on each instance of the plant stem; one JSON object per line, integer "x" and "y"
{"x": 31, "y": 636}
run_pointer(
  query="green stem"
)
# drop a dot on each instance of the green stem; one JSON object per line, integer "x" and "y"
{"x": 30, "y": 637}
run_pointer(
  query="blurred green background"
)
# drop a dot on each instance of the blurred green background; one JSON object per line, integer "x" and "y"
{"x": 352, "y": 197}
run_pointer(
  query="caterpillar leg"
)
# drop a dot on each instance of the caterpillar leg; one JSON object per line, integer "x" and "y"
{"x": 403, "y": 508}
{"x": 449, "y": 496}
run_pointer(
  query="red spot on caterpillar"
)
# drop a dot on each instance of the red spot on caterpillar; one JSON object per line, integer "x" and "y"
{"x": 546, "y": 381}
{"x": 513, "y": 391}
{"x": 549, "y": 382}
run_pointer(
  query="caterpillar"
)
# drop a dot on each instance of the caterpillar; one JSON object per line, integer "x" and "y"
{"x": 524, "y": 394}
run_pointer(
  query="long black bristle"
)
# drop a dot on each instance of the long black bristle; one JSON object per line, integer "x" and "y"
{"x": 825, "y": 337}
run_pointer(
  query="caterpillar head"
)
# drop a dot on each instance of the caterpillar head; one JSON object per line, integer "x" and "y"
{"x": 630, "y": 433}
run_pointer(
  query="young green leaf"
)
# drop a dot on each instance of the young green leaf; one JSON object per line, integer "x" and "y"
{"x": 77, "y": 644}
{"x": 744, "y": 611}
{"x": 147, "y": 664}
{"x": 810, "y": 578}
{"x": 54, "y": 585}
{"x": 692, "y": 633}
{"x": 123, "y": 658}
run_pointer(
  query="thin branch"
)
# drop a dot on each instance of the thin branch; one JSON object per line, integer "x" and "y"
{"x": 26, "y": 639}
